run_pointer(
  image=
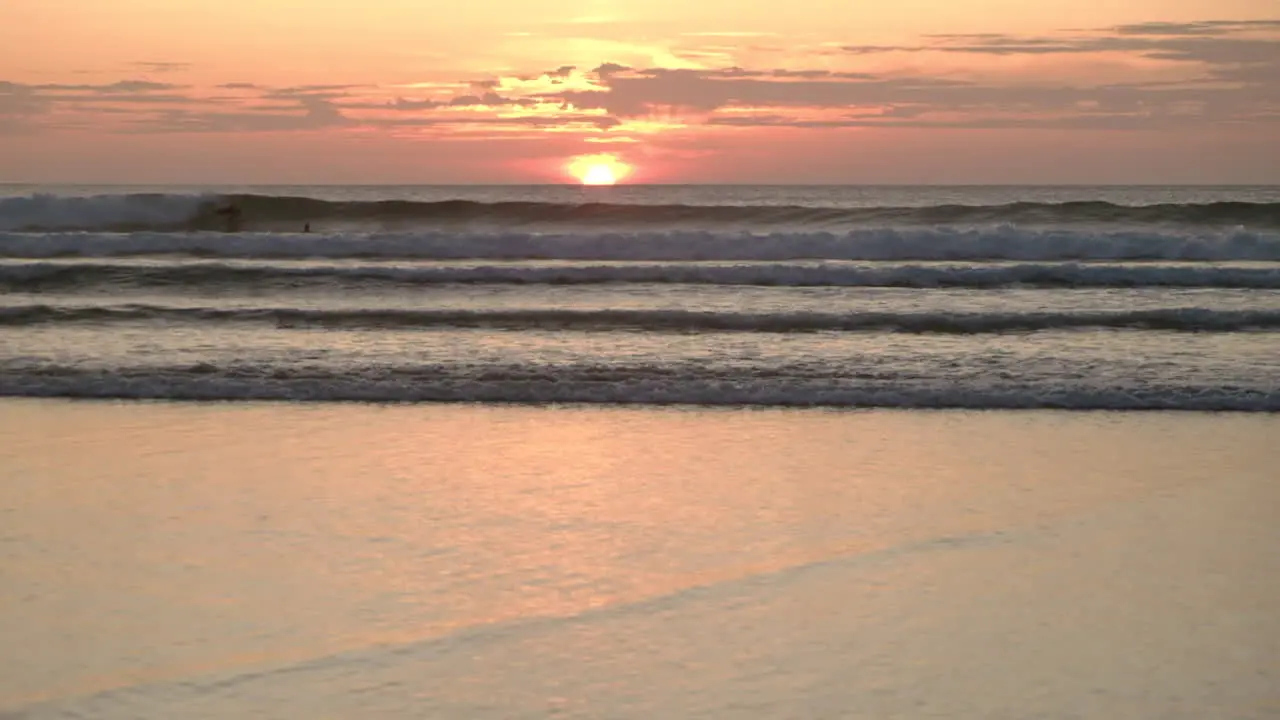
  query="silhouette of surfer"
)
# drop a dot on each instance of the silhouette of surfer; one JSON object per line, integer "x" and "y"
{"x": 232, "y": 214}
{"x": 306, "y": 228}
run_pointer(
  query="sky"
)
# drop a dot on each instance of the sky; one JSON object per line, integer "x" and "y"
{"x": 671, "y": 91}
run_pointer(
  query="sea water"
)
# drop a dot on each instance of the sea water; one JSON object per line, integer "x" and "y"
{"x": 1005, "y": 297}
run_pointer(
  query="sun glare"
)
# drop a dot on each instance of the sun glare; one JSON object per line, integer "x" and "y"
{"x": 598, "y": 169}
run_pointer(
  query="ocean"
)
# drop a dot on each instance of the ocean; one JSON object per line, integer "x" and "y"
{"x": 894, "y": 297}
{"x": 639, "y": 452}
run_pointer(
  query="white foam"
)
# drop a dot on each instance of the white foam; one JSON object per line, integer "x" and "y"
{"x": 89, "y": 273}
{"x": 1185, "y": 319}
{"x": 204, "y": 383}
{"x": 53, "y": 211}
{"x": 996, "y": 243}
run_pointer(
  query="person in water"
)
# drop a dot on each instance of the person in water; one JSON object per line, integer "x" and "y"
{"x": 232, "y": 214}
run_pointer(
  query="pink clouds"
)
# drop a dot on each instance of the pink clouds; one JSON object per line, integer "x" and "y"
{"x": 1196, "y": 84}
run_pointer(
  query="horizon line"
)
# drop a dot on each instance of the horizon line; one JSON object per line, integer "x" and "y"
{"x": 608, "y": 188}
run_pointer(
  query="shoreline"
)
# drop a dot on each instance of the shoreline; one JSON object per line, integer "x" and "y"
{"x": 239, "y": 557}
{"x": 637, "y": 405}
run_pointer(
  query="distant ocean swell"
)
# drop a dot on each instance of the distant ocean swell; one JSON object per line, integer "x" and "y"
{"x": 635, "y": 385}
{"x": 162, "y": 296}
{"x": 883, "y": 244}
{"x": 1174, "y": 319}
{"x": 174, "y": 213}
{"x": 53, "y": 276}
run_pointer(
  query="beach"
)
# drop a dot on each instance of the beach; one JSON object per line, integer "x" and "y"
{"x": 639, "y": 360}
{"x": 251, "y": 559}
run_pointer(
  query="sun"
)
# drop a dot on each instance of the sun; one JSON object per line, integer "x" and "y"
{"x": 599, "y": 175}
{"x": 598, "y": 169}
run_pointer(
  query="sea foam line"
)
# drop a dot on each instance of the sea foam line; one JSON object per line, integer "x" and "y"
{"x": 177, "y": 212}
{"x": 885, "y": 244}
{"x": 36, "y": 276}
{"x": 1187, "y": 319}
{"x": 206, "y": 383}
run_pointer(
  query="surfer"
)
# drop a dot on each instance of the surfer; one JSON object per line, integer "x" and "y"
{"x": 306, "y": 228}
{"x": 233, "y": 216}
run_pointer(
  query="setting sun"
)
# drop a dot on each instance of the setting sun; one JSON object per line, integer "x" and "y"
{"x": 598, "y": 169}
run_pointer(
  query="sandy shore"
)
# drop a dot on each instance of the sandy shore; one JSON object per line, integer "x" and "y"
{"x": 169, "y": 560}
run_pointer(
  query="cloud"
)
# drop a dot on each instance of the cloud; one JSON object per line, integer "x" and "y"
{"x": 314, "y": 89}
{"x": 34, "y": 107}
{"x": 20, "y": 105}
{"x": 1231, "y": 73}
{"x": 1204, "y": 27}
{"x": 17, "y": 100}
{"x": 639, "y": 91}
{"x": 162, "y": 67}
{"x": 729, "y": 34}
{"x": 120, "y": 86}
{"x": 304, "y": 92}
{"x": 1175, "y": 75}
{"x": 607, "y": 69}
{"x": 487, "y": 100}
{"x": 316, "y": 114}
{"x": 1215, "y": 43}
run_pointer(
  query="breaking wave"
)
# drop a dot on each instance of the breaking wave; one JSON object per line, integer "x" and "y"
{"x": 46, "y": 276}
{"x": 1172, "y": 319}
{"x": 884, "y": 244}
{"x": 640, "y": 385}
{"x": 170, "y": 213}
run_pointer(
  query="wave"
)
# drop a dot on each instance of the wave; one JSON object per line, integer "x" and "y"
{"x": 885, "y": 244}
{"x": 169, "y": 212}
{"x": 1172, "y": 319}
{"x": 618, "y": 386}
{"x": 30, "y": 277}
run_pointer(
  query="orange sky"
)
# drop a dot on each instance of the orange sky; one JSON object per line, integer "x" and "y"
{"x": 499, "y": 91}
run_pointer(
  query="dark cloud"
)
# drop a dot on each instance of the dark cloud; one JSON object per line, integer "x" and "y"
{"x": 1212, "y": 43}
{"x": 313, "y": 108}
{"x": 1207, "y": 27}
{"x": 1230, "y": 74}
{"x": 1080, "y": 122}
{"x": 162, "y": 67}
{"x": 639, "y": 92}
{"x": 22, "y": 100}
{"x": 1233, "y": 75}
{"x": 400, "y": 104}
{"x": 121, "y": 86}
{"x": 488, "y": 99}
{"x": 323, "y": 92}
{"x": 98, "y": 100}
{"x": 312, "y": 89}
{"x": 20, "y": 108}
{"x": 316, "y": 114}
{"x": 608, "y": 69}
{"x": 17, "y": 100}
{"x": 819, "y": 74}
{"x": 405, "y": 105}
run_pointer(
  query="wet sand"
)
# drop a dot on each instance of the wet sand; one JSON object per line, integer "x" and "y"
{"x": 235, "y": 560}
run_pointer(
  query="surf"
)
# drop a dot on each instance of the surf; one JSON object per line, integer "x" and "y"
{"x": 1001, "y": 243}
{"x": 1184, "y": 319}
{"x": 165, "y": 212}
{"x": 622, "y": 386}
{"x": 194, "y": 276}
